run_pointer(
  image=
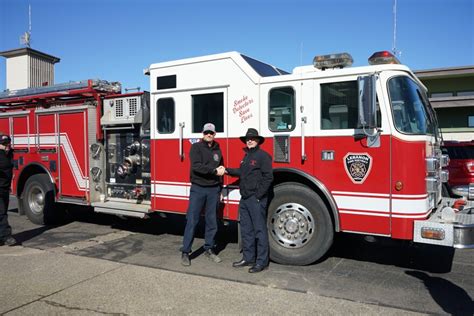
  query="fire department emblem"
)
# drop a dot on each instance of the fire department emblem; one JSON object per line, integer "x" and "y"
{"x": 216, "y": 157}
{"x": 357, "y": 166}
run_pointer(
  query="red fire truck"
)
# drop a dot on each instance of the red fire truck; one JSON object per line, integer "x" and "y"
{"x": 355, "y": 149}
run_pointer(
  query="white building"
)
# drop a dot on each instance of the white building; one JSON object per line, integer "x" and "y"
{"x": 27, "y": 68}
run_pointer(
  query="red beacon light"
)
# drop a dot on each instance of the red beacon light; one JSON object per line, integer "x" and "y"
{"x": 332, "y": 61}
{"x": 384, "y": 57}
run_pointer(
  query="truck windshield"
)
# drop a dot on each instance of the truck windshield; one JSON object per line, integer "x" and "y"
{"x": 411, "y": 110}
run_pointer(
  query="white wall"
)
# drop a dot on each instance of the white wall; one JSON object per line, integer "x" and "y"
{"x": 28, "y": 71}
{"x": 17, "y": 73}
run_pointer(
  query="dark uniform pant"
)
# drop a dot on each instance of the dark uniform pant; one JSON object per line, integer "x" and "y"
{"x": 5, "y": 229}
{"x": 253, "y": 228}
{"x": 199, "y": 198}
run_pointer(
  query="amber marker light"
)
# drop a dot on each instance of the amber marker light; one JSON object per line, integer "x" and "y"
{"x": 432, "y": 233}
{"x": 399, "y": 186}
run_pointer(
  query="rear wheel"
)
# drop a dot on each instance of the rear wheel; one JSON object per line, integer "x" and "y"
{"x": 299, "y": 225}
{"x": 38, "y": 199}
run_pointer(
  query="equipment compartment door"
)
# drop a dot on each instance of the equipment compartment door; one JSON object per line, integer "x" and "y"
{"x": 73, "y": 165}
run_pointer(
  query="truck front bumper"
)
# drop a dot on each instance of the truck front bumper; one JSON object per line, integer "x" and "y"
{"x": 445, "y": 227}
{"x": 464, "y": 190}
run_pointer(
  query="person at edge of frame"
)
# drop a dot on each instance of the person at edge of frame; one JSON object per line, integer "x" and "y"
{"x": 256, "y": 176}
{"x": 6, "y": 174}
{"x": 206, "y": 184}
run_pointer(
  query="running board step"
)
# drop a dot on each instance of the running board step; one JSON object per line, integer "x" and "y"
{"x": 125, "y": 209}
{"x": 72, "y": 200}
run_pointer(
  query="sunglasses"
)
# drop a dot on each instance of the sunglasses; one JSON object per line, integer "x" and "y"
{"x": 208, "y": 133}
{"x": 252, "y": 139}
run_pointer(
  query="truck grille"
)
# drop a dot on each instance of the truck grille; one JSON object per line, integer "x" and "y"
{"x": 281, "y": 148}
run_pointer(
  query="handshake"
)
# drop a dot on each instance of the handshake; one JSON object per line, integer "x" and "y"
{"x": 220, "y": 171}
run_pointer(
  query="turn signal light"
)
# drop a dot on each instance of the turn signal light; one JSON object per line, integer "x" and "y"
{"x": 399, "y": 186}
{"x": 432, "y": 233}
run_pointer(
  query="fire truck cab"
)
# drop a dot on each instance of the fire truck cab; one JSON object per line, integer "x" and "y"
{"x": 355, "y": 149}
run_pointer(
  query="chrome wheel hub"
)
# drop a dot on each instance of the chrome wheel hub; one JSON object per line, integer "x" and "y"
{"x": 36, "y": 200}
{"x": 292, "y": 225}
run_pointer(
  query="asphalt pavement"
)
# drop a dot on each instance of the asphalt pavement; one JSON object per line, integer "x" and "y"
{"x": 38, "y": 282}
{"x": 100, "y": 264}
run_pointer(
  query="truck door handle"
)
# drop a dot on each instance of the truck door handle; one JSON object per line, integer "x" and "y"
{"x": 181, "y": 149}
{"x": 303, "y": 153}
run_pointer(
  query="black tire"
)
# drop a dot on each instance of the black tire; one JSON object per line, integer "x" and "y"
{"x": 299, "y": 225}
{"x": 38, "y": 200}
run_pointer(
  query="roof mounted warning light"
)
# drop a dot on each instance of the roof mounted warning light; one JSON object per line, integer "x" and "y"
{"x": 383, "y": 57}
{"x": 332, "y": 61}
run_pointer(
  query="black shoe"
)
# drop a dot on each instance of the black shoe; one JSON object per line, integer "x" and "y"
{"x": 210, "y": 254}
{"x": 242, "y": 263}
{"x": 9, "y": 241}
{"x": 257, "y": 268}
{"x": 185, "y": 259}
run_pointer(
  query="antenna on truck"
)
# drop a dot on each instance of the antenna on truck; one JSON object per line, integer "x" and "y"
{"x": 395, "y": 51}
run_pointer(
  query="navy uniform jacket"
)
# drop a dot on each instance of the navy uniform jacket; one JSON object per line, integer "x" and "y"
{"x": 204, "y": 161}
{"x": 255, "y": 173}
{"x": 6, "y": 170}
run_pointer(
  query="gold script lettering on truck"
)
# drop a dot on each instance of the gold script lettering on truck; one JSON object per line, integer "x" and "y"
{"x": 354, "y": 149}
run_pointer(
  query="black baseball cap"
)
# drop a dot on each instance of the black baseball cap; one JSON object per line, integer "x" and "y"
{"x": 5, "y": 139}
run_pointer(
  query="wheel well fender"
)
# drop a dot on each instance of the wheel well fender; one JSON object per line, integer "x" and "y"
{"x": 282, "y": 175}
{"x": 31, "y": 170}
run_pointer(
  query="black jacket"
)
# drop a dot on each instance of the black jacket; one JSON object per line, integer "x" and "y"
{"x": 6, "y": 170}
{"x": 204, "y": 161}
{"x": 255, "y": 173}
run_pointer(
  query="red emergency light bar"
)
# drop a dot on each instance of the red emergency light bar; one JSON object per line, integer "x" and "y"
{"x": 383, "y": 57}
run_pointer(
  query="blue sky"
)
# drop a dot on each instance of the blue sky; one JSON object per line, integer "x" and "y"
{"x": 116, "y": 40}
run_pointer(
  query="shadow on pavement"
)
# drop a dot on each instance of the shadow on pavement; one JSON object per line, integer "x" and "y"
{"x": 451, "y": 298}
{"x": 398, "y": 253}
{"x": 26, "y": 235}
{"x": 145, "y": 242}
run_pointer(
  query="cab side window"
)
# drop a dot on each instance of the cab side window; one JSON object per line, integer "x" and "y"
{"x": 165, "y": 117}
{"x": 339, "y": 106}
{"x": 208, "y": 108}
{"x": 281, "y": 109}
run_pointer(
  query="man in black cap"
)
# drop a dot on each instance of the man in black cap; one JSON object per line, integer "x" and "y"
{"x": 256, "y": 177}
{"x": 206, "y": 184}
{"x": 6, "y": 174}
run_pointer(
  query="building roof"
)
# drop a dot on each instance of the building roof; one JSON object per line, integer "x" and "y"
{"x": 454, "y": 74}
{"x": 448, "y": 72}
{"x": 28, "y": 51}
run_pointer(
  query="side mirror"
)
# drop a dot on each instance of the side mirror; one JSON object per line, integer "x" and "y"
{"x": 367, "y": 102}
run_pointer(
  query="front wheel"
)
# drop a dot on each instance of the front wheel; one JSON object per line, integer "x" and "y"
{"x": 299, "y": 225}
{"x": 38, "y": 199}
